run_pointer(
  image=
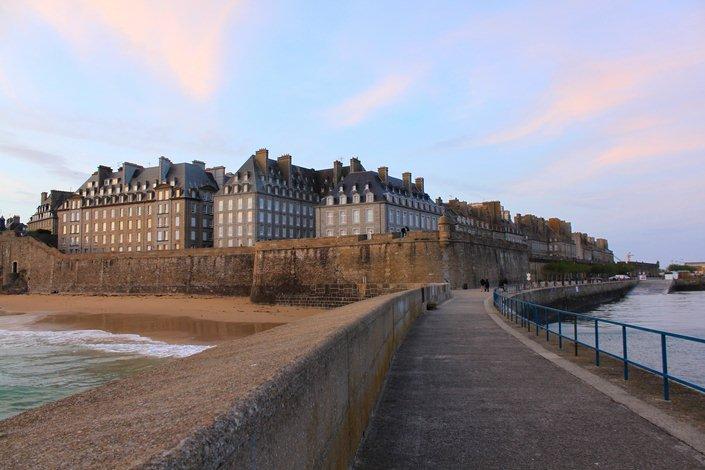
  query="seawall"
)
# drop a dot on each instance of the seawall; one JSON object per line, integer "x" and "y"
{"x": 577, "y": 297}
{"x": 321, "y": 272}
{"x": 695, "y": 283}
{"x": 296, "y": 396}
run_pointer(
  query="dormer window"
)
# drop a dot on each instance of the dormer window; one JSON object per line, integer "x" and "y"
{"x": 330, "y": 200}
{"x": 369, "y": 197}
{"x": 343, "y": 199}
{"x": 356, "y": 198}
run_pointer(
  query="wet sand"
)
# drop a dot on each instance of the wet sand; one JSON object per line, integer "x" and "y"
{"x": 170, "y": 318}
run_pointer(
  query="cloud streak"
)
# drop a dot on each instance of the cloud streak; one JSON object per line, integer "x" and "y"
{"x": 593, "y": 90}
{"x": 179, "y": 39}
{"x": 54, "y": 163}
{"x": 359, "y": 107}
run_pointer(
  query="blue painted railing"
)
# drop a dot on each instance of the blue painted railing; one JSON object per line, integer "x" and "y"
{"x": 529, "y": 314}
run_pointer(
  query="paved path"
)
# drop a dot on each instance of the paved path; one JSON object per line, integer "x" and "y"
{"x": 463, "y": 393}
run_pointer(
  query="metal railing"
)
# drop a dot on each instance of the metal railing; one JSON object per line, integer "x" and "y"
{"x": 529, "y": 314}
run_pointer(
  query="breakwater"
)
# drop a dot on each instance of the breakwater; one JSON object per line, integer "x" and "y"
{"x": 296, "y": 396}
{"x": 580, "y": 296}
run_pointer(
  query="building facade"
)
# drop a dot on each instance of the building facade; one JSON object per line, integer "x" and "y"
{"x": 367, "y": 202}
{"x": 166, "y": 207}
{"x": 485, "y": 219}
{"x": 561, "y": 242}
{"x": 45, "y": 218}
{"x": 591, "y": 250}
{"x": 266, "y": 200}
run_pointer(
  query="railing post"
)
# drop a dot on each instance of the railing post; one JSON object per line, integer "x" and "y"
{"x": 624, "y": 352}
{"x": 597, "y": 345}
{"x": 535, "y": 316}
{"x": 560, "y": 331}
{"x": 664, "y": 363}
{"x": 575, "y": 333}
{"x": 545, "y": 321}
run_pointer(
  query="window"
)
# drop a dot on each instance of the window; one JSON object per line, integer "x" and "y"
{"x": 343, "y": 218}
{"x": 356, "y": 216}
{"x": 370, "y": 215}
{"x": 356, "y": 198}
{"x": 369, "y": 197}
{"x": 329, "y": 233}
{"x": 220, "y": 206}
{"x": 193, "y": 235}
{"x": 329, "y": 218}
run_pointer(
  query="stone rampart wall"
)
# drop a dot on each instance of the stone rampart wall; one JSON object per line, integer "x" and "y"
{"x": 323, "y": 272}
{"x": 296, "y": 396}
{"x": 199, "y": 271}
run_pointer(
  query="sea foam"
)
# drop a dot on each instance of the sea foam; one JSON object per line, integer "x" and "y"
{"x": 97, "y": 340}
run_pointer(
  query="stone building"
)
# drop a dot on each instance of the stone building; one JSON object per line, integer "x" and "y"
{"x": 45, "y": 217}
{"x": 165, "y": 207}
{"x": 264, "y": 200}
{"x": 538, "y": 234}
{"x": 561, "y": 244}
{"x": 366, "y": 202}
{"x": 488, "y": 219}
{"x": 591, "y": 250}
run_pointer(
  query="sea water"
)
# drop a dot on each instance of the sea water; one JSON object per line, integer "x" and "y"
{"x": 650, "y": 306}
{"x": 39, "y": 366}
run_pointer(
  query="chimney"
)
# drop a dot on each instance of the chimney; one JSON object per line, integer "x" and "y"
{"x": 44, "y": 197}
{"x": 199, "y": 164}
{"x": 406, "y": 177}
{"x": 355, "y": 165}
{"x": 164, "y": 166}
{"x": 337, "y": 171}
{"x": 104, "y": 173}
{"x": 284, "y": 163}
{"x": 218, "y": 174}
{"x": 128, "y": 172}
{"x": 420, "y": 184}
{"x": 261, "y": 157}
{"x": 383, "y": 172}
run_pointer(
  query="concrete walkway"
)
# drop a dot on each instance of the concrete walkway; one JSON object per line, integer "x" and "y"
{"x": 463, "y": 393}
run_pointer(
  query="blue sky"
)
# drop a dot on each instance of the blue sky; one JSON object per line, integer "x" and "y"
{"x": 589, "y": 111}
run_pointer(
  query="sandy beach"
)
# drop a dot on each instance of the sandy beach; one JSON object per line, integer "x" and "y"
{"x": 171, "y": 318}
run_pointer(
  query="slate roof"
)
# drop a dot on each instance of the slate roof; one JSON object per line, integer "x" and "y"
{"x": 184, "y": 175}
{"x": 360, "y": 179}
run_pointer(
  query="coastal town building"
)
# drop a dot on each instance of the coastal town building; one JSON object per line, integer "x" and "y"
{"x": 537, "y": 232}
{"x": 487, "y": 219}
{"x": 561, "y": 244}
{"x": 265, "y": 200}
{"x": 368, "y": 202}
{"x": 591, "y": 250}
{"x": 136, "y": 208}
{"x": 45, "y": 218}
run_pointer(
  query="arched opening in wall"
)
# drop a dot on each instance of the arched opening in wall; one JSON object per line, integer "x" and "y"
{"x": 14, "y": 267}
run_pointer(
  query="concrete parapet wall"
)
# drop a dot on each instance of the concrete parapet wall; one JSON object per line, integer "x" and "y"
{"x": 576, "y": 296}
{"x": 296, "y": 396}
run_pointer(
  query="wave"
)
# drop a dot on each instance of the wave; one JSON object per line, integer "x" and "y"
{"x": 97, "y": 340}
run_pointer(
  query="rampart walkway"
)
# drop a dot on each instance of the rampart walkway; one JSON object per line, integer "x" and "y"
{"x": 462, "y": 393}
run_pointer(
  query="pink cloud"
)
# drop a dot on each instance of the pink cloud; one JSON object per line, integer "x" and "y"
{"x": 357, "y": 108}
{"x": 594, "y": 89}
{"x": 179, "y": 39}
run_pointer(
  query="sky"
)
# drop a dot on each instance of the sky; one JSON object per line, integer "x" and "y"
{"x": 590, "y": 111}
